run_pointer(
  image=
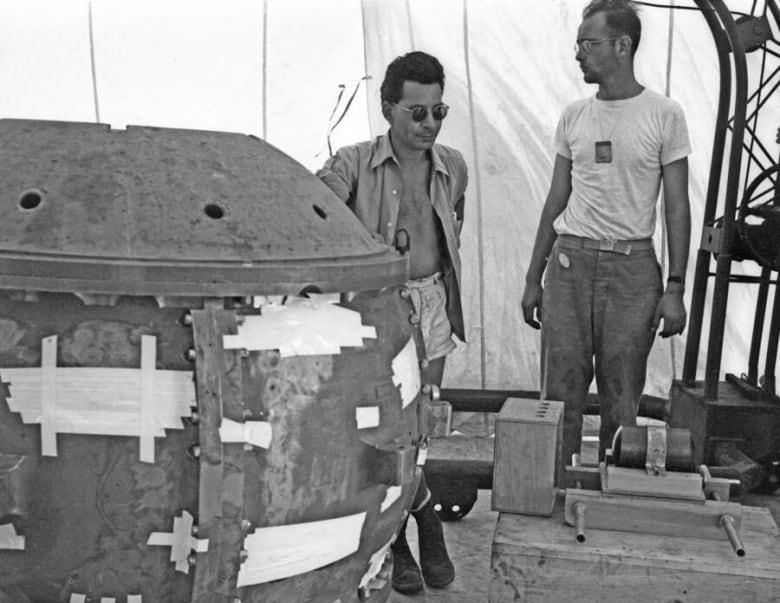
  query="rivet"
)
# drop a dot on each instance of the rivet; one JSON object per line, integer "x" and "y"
{"x": 186, "y": 319}
{"x": 195, "y": 417}
{"x": 243, "y": 555}
{"x": 191, "y": 559}
{"x": 414, "y": 318}
{"x": 405, "y": 293}
{"x": 246, "y": 525}
{"x": 190, "y": 355}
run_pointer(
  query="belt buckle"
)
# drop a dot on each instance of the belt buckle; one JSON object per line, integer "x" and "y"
{"x": 607, "y": 245}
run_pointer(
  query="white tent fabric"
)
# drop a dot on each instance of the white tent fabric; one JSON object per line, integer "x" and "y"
{"x": 273, "y": 68}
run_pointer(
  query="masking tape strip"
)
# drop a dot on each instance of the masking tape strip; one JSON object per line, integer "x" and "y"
{"x": 180, "y": 540}
{"x": 75, "y": 598}
{"x": 134, "y": 599}
{"x": 257, "y": 433}
{"x": 9, "y": 539}
{"x": 107, "y": 600}
{"x": 301, "y": 327}
{"x": 375, "y": 564}
{"x": 393, "y": 494}
{"x": 367, "y": 417}
{"x": 100, "y": 401}
{"x": 147, "y": 396}
{"x": 282, "y": 551}
{"x": 48, "y": 397}
{"x": 406, "y": 373}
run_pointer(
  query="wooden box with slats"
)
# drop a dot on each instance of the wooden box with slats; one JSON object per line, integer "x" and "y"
{"x": 529, "y": 436}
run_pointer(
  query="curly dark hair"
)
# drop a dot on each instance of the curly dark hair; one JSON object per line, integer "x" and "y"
{"x": 622, "y": 17}
{"x": 414, "y": 66}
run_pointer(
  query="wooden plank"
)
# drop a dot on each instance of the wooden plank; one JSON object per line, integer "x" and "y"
{"x": 637, "y": 482}
{"x": 526, "y": 456}
{"x": 647, "y": 515}
{"x": 220, "y": 395}
{"x": 461, "y": 456}
{"x": 537, "y": 559}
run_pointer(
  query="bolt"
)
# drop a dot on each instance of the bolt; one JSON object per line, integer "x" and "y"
{"x": 405, "y": 294}
{"x": 186, "y": 319}
{"x": 190, "y": 355}
{"x": 191, "y": 559}
{"x": 195, "y": 417}
{"x": 246, "y": 525}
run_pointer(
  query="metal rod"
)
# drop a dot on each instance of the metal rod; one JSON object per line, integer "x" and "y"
{"x": 579, "y": 520}
{"x": 727, "y": 523}
{"x": 758, "y": 327}
{"x": 700, "y": 280}
{"x": 723, "y": 270}
{"x": 771, "y": 348}
{"x": 491, "y": 400}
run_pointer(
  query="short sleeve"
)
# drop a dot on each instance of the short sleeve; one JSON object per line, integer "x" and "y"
{"x": 676, "y": 143}
{"x": 560, "y": 143}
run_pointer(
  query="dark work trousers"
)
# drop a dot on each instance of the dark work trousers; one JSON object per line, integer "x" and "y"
{"x": 597, "y": 306}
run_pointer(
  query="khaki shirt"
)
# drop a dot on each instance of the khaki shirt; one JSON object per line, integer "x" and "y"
{"x": 367, "y": 177}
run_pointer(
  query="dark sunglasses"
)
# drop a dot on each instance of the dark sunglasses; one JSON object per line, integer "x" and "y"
{"x": 419, "y": 112}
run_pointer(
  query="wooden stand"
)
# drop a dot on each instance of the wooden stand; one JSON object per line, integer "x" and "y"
{"x": 529, "y": 435}
{"x": 539, "y": 559}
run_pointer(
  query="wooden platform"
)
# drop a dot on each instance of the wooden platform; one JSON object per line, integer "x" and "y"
{"x": 538, "y": 559}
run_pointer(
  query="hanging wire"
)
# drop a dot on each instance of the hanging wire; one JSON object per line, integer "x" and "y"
{"x": 331, "y": 124}
{"x": 92, "y": 62}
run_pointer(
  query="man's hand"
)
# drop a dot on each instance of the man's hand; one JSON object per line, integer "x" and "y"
{"x": 532, "y": 304}
{"x": 672, "y": 309}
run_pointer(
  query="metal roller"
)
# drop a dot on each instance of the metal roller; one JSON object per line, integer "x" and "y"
{"x": 670, "y": 448}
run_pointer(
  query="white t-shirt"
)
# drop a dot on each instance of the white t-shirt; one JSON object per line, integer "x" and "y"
{"x": 617, "y": 199}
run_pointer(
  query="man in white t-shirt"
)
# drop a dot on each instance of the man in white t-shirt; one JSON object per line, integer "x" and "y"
{"x": 604, "y": 297}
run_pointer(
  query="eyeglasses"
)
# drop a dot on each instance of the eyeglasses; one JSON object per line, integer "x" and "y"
{"x": 419, "y": 112}
{"x": 585, "y": 45}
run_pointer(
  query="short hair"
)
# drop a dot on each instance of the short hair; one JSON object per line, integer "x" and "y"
{"x": 622, "y": 17}
{"x": 414, "y": 66}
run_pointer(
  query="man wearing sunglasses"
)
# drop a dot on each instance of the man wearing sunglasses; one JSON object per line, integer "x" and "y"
{"x": 403, "y": 181}
{"x": 603, "y": 296}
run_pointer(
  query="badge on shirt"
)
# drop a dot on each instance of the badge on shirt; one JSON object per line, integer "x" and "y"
{"x": 603, "y": 151}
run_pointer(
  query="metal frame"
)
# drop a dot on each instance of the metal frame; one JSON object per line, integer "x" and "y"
{"x": 731, "y": 52}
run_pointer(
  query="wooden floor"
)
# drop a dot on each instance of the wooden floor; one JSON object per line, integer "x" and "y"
{"x": 469, "y": 543}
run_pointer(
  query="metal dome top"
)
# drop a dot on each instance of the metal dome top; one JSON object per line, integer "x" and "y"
{"x": 156, "y": 211}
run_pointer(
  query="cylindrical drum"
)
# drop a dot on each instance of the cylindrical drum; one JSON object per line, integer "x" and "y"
{"x": 210, "y": 382}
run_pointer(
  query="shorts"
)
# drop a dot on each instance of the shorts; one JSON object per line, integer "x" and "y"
{"x": 429, "y": 298}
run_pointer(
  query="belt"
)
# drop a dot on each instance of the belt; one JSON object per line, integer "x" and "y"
{"x": 624, "y": 247}
{"x": 425, "y": 281}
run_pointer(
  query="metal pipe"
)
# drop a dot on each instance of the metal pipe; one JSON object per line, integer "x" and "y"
{"x": 771, "y": 349}
{"x": 758, "y": 327}
{"x": 491, "y": 400}
{"x": 579, "y": 520}
{"x": 727, "y": 523}
{"x": 723, "y": 270}
{"x": 701, "y": 276}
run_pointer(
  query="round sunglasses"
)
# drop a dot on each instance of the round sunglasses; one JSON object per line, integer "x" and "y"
{"x": 418, "y": 112}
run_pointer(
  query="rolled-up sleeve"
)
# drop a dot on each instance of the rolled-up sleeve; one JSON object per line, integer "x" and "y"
{"x": 339, "y": 173}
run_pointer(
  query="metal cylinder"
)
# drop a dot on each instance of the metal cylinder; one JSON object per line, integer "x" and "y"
{"x": 631, "y": 446}
{"x": 729, "y": 526}
{"x": 579, "y": 520}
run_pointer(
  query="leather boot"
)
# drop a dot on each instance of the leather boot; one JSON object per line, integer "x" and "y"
{"x": 406, "y": 574}
{"x": 437, "y": 569}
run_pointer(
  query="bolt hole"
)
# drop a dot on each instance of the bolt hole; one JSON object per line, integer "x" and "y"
{"x": 214, "y": 211}
{"x": 30, "y": 200}
{"x": 320, "y": 212}
{"x": 437, "y": 507}
{"x": 456, "y": 508}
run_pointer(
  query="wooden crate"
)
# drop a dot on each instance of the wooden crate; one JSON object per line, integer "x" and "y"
{"x": 538, "y": 559}
{"x": 529, "y": 435}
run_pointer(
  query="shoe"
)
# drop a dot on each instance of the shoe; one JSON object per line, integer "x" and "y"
{"x": 437, "y": 569}
{"x": 407, "y": 578}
